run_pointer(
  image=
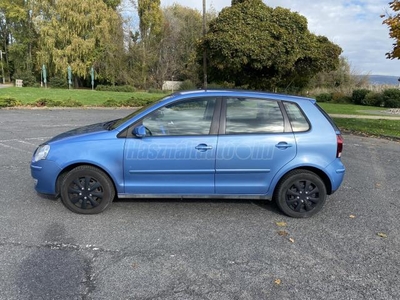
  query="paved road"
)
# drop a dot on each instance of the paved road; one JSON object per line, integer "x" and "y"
{"x": 195, "y": 249}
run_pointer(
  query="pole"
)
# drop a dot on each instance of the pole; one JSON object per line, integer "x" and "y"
{"x": 2, "y": 68}
{"x": 204, "y": 51}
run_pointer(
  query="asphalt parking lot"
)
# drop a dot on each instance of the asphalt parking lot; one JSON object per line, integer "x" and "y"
{"x": 196, "y": 249}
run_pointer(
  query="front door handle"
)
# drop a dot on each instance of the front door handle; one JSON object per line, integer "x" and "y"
{"x": 203, "y": 147}
{"x": 283, "y": 145}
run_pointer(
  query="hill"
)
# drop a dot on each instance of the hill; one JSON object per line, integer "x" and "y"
{"x": 384, "y": 80}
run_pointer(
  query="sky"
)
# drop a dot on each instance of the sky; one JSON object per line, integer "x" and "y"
{"x": 355, "y": 25}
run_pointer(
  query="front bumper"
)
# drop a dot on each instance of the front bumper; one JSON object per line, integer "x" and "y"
{"x": 45, "y": 173}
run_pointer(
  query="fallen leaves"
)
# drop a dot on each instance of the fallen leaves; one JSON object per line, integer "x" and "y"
{"x": 278, "y": 281}
{"x": 281, "y": 224}
{"x": 283, "y": 232}
{"x": 352, "y": 216}
{"x": 382, "y": 235}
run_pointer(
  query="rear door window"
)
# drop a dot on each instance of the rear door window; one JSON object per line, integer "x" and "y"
{"x": 253, "y": 116}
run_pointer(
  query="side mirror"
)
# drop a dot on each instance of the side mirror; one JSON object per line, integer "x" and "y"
{"x": 139, "y": 131}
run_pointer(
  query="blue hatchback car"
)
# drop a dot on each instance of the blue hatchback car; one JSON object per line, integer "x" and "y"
{"x": 199, "y": 144}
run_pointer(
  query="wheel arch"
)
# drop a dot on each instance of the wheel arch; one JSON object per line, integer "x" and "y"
{"x": 321, "y": 174}
{"x": 73, "y": 166}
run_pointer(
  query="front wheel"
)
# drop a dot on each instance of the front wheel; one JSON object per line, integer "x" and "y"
{"x": 87, "y": 190}
{"x": 300, "y": 194}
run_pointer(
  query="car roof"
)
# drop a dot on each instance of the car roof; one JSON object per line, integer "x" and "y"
{"x": 243, "y": 93}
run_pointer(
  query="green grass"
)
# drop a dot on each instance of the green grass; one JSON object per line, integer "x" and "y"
{"x": 351, "y": 109}
{"x": 87, "y": 97}
{"x": 387, "y": 128}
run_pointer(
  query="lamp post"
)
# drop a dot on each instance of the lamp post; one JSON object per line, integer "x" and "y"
{"x": 2, "y": 68}
{"x": 69, "y": 71}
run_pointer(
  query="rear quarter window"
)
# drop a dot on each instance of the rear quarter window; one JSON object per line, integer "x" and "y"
{"x": 297, "y": 119}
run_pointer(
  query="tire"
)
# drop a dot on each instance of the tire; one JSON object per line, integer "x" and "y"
{"x": 300, "y": 194}
{"x": 87, "y": 190}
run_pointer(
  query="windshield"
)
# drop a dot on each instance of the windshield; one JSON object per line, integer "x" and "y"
{"x": 136, "y": 112}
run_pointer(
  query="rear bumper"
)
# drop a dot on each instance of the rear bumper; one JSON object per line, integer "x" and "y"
{"x": 336, "y": 171}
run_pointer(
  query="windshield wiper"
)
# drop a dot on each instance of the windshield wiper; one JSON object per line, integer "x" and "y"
{"x": 109, "y": 124}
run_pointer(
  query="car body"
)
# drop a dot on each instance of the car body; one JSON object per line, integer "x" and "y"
{"x": 196, "y": 144}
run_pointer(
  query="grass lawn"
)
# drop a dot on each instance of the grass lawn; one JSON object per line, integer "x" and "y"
{"x": 87, "y": 97}
{"x": 387, "y": 128}
{"x": 351, "y": 109}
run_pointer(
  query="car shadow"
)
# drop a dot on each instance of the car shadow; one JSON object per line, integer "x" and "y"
{"x": 264, "y": 204}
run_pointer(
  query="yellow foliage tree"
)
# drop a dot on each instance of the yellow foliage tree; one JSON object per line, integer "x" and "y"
{"x": 393, "y": 22}
{"x": 77, "y": 33}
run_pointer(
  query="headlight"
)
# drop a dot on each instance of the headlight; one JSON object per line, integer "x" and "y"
{"x": 41, "y": 153}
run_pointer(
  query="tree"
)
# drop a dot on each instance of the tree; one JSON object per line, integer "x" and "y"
{"x": 80, "y": 34}
{"x": 273, "y": 50}
{"x": 150, "y": 28}
{"x": 181, "y": 33}
{"x": 18, "y": 37}
{"x": 234, "y": 2}
{"x": 393, "y": 22}
{"x": 112, "y": 3}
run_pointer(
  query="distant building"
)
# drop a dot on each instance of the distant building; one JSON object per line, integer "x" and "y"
{"x": 171, "y": 85}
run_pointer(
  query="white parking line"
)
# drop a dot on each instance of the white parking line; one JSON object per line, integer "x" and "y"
{"x": 14, "y": 148}
{"x": 61, "y": 125}
{"x": 23, "y": 141}
{"x": 26, "y": 143}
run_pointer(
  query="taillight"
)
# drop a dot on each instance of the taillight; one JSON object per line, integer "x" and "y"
{"x": 339, "y": 145}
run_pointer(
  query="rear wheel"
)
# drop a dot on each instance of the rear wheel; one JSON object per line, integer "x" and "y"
{"x": 87, "y": 190}
{"x": 300, "y": 194}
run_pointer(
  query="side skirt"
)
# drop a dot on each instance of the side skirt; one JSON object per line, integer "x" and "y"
{"x": 175, "y": 196}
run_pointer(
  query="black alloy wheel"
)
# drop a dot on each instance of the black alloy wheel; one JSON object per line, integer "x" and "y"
{"x": 301, "y": 194}
{"x": 87, "y": 190}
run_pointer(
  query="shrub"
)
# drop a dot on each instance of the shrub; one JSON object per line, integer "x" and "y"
{"x": 125, "y": 88}
{"x": 338, "y": 97}
{"x": 155, "y": 91}
{"x": 359, "y": 95}
{"x": 71, "y": 103}
{"x": 102, "y": 88}
{"x": 187, "y": 85}
{"x": 47, "y": 102}
{"x": 29, "y": 80}
{"x": 391, "y": 98}
{"x": 52, "y": 103}
{"x": 8, "y": 101}
{"x": 116, "y": 88}
{"x": 373, "y": 99}
{"x": 324, "y": 97}
{"x": 111, "y": 103}
{"x": 59, "y": 82}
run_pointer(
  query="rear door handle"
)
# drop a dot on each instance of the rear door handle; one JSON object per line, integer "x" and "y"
{"x": 203, "y": 147}
{"x": 283, "y": 145}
